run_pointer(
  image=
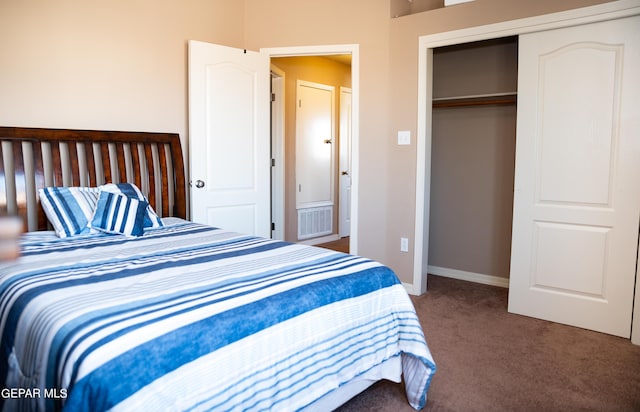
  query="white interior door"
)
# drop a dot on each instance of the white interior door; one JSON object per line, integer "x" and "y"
{"x": 229, "y": 138}
{"x": 577, "y": 179}
{"x": 344, "y": 227}
{"x": 314, "y": 145}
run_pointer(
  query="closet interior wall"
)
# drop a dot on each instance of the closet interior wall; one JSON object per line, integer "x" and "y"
{"x": 473, "y": 158}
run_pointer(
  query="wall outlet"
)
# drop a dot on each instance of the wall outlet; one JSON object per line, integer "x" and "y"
{"x": 404, "y": 244}
{"x": 404, "y": 137}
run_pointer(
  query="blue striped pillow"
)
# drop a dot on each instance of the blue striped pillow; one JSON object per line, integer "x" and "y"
{"x": 151, "y": 219}
{"x": 69, "y": 209}
{"x": 119, "y": 214}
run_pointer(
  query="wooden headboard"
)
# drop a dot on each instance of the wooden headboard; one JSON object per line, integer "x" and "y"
{"x": 33, "y": 158}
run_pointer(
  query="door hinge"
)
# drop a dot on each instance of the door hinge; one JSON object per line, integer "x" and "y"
{"x": 273, "y": 226}
{"x": 273, "y": 97}
{"x": 273, "y": 162}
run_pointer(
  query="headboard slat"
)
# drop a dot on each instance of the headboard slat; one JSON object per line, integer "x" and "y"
{"x": 39, "y": 179}
{"x": 57, "y": 164}
{"x": 106, "y": 161}
{"x": 20, "y": 180}
{"x": 148, "y": 152}
{"x": 70, "y": 159}
{"x": 163, "y": 169}
{"x": 73, "y": 163}
{"x": 136, "y": 165}
{"x": 91, "y": 163}
{"x": 122, "y": 166}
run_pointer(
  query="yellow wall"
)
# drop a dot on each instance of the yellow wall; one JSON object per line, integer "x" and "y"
{"x": 122, "y": 65}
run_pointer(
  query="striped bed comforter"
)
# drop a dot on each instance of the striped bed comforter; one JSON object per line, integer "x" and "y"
{"x": 189, "y": 317}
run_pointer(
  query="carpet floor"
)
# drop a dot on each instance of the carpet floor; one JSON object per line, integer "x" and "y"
{"x": 490, "y": 360}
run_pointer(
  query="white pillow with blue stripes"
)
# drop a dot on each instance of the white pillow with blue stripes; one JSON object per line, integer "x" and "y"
{"x": 69, "y": 209}
{"x": 119, "y": 214}
{"x": 151, "y": 219}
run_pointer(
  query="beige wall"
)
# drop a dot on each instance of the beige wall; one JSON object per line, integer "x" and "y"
{"x": 362, "y": 22}
{"x": 318, "y": 70}
{"x": 118, "y": 65}
{"x": 122, "y": 65}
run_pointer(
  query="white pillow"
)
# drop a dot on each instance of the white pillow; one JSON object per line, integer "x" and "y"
{"x": 69, "y": 209}
{"x": 151, "y": 219}
{"x": 119, "y": 214}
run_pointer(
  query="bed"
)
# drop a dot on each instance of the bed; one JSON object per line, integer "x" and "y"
{"x": 126, "y": 305}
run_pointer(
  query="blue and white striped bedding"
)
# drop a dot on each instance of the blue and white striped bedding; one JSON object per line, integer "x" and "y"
{"x": 188, "y": 317}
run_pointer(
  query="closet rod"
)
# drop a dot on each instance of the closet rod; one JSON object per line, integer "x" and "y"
{"x": 477, "y": 102}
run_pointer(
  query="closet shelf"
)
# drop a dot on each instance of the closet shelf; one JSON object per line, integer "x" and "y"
{"x": 476, "y": 100}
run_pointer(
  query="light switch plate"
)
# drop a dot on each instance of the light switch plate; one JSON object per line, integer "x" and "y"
{"x": 404, "y": 244}
{"x": 404, "y": 137}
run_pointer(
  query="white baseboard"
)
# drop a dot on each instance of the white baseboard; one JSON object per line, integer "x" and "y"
{"x": 469, "y": 276}
{"x": 319, "y": 240}
{"x": 409, "y": 288}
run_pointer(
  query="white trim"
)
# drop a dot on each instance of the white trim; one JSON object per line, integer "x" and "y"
{"x": 278, "y": 82}
{"x": 584, "y": 15}
{"x": 344, "y": 151}
{"x": 469, "y": 276}
{"x": 409, "y": 288}
{"x": 354, "y": 50}
{"x": 320, "y": 240}
{"x": 635, "y": 320}
{"x": 423, "y": 173}
{"x": 601, "y": 12}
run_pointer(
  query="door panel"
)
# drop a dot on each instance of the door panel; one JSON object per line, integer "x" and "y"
{"x": 230, "y": 145}
{"x": 576, "y": 197}
{"x": 576, "y": 122}
{"x": 314, "y": 145}
{"x": 229, "y": 132}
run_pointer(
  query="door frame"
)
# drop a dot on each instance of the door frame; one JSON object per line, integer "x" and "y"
{"x": 277, "y": 152}
{"x": 326, "y": 50}
{"x": 344, "y": 165}
{"x": 592, "y": 14}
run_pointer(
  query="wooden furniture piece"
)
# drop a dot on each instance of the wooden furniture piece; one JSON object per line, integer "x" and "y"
{"x": 33, "y": 158}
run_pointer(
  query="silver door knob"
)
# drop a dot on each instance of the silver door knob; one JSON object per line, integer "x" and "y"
{"x": 199, "y": 184}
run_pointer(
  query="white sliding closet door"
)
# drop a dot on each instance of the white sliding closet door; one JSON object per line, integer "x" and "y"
{"x": 577, "y": 178}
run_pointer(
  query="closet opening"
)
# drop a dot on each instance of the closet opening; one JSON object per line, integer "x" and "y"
{"x": 474, "y": 107}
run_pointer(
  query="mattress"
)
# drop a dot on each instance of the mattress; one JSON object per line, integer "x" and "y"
{"x": 191, "y": 317}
